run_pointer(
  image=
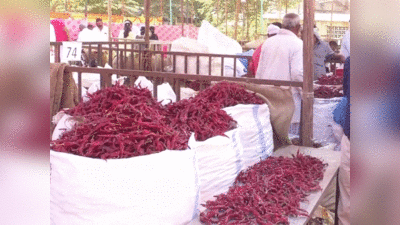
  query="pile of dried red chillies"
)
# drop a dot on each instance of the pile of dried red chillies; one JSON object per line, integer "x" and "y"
{"x": 268, "y": 192}
{"x": 326, "y": 92}
{"x": 122, "y": 122}
{"x": 119, "y": 122}
{"x": 203, "y": 114}
{"x": 330, "y": 80}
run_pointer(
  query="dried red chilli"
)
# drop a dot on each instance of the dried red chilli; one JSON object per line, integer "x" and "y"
{"x": 227, "y": 94}
{"x": 330, "y": 80}
{"x": 122, "y": 122}
{"x": 267, "y": 193}
{"x": 326, "y": 92}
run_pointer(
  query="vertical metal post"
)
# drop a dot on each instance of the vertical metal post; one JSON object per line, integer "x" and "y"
{"x": 182, "y": 20}
{"x": 109, "y": 20}
{"x": 306, "y": 125}
{"x": 226, "y": 17}
{"x": 170, "y": 12}
{"x": 236, "y": 18}
{"x": 261, "y": 15}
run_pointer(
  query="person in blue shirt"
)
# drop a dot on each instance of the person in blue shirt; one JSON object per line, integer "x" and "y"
{"x": 341, "y": 115}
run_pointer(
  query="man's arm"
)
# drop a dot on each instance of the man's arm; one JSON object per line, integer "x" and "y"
{"x": 296, "y": 64}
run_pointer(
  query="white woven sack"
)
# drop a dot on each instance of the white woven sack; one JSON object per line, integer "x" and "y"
{"x": 323, "y": 119}
{"x": 155, "y": 189}
{"x": 165, "y": 94}
{"x": 185, "y": 44}
{"x": 218, "y": 163}
{"x": 254, "y": 131}
{"x": 242, "y": 148}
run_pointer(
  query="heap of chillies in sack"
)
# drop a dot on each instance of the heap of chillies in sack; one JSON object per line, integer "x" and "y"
{"x": 326, "y": 92}
{"x": 330, "y": 80}
{"x": 268, "y": 192}
{"x": 122, "y": 122}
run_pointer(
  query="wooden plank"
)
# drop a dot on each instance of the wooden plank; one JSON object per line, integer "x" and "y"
{"x": 184, "y": 76}
{"x": 306, "y": 125}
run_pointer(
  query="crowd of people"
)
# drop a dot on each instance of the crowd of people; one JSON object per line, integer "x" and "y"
{"x": 98, "y": 32}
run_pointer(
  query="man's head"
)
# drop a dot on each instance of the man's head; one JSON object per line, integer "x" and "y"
{"x": 90, "y": 26}
{"x": 152, "y": 29}
{"x": 142, "y": 30}
{"x": 277, "y": 24}
{"x": 291, "y": 21}
{"x": 99, "y": 23}
{"x": 82, "y": 26}
{"x": 334, "y": 46}
{"x": 272, "y": 30}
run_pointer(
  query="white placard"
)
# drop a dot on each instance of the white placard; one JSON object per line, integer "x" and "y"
{"x": 71, "y": 51}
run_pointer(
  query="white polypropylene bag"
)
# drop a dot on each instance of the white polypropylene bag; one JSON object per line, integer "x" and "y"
{"x": 323, "y": 120}
{"x": 216, "y": 41}
{"x": 65, "y": 124}
{"x": 185, "y": 44}
{"x": 254, "y": 131}
{"x": 219, "y": 43}
{"x": 165, "y": 94}
{"x": 219, "y": 163}
{"x": 155, "y": 189}
{"x": 220, "y": 158}
{"x": 144, "y": 83}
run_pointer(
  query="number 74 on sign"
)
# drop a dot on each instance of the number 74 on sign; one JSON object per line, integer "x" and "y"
{"x": 72, "y": 51}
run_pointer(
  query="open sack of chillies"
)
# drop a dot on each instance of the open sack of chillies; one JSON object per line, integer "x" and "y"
{"x": 124, "y": 150}
{"x": 327, "y": 94}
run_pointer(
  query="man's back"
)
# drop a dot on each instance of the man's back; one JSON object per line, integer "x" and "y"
{"x": 281, "y": 57}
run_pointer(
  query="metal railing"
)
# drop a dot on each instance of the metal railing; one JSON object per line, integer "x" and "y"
{"x": 177, "y": 80}
{"x": 132, "y": 55}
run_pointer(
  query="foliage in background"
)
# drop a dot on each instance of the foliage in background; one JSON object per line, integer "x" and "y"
{"x": 194, "y": 11}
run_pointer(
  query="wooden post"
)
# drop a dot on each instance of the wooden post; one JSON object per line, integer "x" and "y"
{"x": 147, "y": 57}
{"x": 236, "y": 18}
{"x": 306, "y": 125}
{"x": 109, "y": 21}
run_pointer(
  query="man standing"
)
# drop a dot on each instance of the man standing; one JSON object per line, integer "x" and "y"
{"x": 345, "y": 50}
{"x": 282, "y": 59}
{"x": 255, "y": 59}
{"x": 101, "y": 30}
{"x": 322, "y": 53}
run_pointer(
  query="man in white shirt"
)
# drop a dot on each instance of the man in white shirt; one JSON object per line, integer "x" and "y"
{"x": 345, "y": 50}
{"x": 52, "y": 34}
{"x": 101, "y": 30}
{"x": 87, "y": 34}
{"x": 282, "y": 59}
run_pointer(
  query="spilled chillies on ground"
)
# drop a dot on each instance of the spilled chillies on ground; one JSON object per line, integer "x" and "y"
{"x": 268, "y": 192}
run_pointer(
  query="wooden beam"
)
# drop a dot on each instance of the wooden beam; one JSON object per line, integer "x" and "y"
{"x": 306, "y": 127}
